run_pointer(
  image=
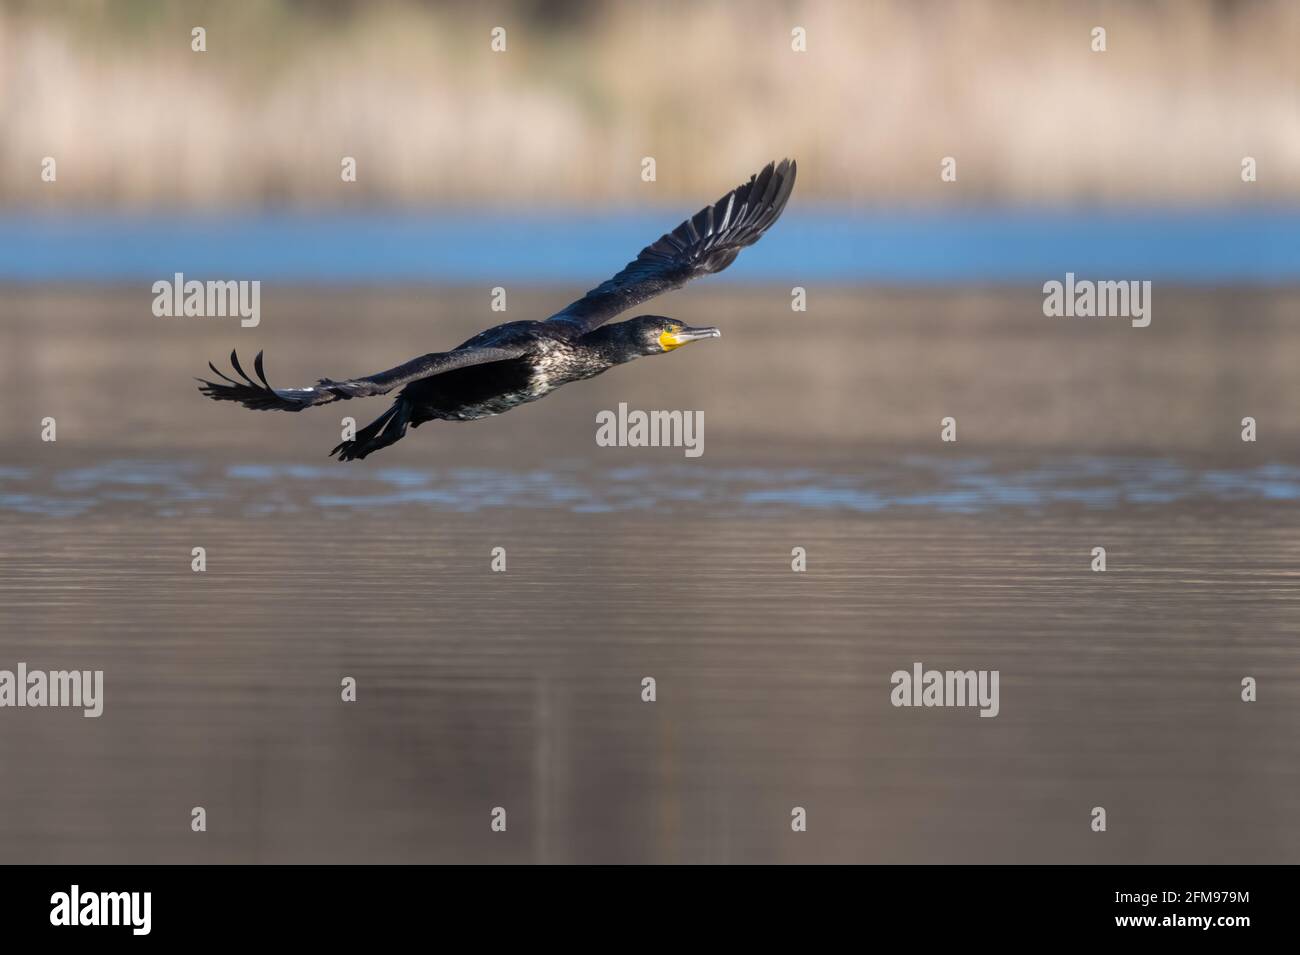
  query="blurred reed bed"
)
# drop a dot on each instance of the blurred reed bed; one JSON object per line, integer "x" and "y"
{"x": 112, "y": 90}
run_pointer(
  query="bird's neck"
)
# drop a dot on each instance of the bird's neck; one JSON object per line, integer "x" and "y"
{"x": 612, "y": 343}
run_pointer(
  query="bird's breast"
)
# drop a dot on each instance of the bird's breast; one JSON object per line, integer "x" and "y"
{"x": 560, "y": 362}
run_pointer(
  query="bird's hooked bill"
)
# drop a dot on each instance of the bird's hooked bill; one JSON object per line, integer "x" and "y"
{"x": 688, "y": 334}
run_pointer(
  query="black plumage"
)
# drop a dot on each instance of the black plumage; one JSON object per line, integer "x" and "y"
{"x": 517, "y": 362}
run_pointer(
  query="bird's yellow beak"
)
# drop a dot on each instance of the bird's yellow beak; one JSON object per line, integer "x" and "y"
{"x": 684, "y": 334}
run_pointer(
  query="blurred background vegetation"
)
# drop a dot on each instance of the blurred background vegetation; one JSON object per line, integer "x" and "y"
{"x": 710, "y": 88}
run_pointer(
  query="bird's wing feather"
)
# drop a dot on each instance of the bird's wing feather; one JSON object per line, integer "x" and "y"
{"x": 707, "y": 242}
{"x": 260, "y": 396}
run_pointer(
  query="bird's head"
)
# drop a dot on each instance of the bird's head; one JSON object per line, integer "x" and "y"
{"x": 656, "y": 334}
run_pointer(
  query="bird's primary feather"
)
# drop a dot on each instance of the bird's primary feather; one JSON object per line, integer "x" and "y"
{"x": 707, "y": 242}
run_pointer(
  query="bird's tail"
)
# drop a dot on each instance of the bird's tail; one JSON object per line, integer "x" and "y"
{"x": 388, "y": 428}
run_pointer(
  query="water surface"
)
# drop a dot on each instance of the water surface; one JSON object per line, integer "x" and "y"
{"x": 1210, "y": 246}
{"x": 523, "y": 689}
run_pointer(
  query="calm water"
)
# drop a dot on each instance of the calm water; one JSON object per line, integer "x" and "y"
{"x": 522, "y": 689}
{"x": 1210, "y": 246}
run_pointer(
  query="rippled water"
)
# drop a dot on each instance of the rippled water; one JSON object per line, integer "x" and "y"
{"x": 962, "y": 485}
{"x": 522, "y": 689}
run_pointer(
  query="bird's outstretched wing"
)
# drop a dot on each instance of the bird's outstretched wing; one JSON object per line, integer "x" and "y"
{"x": 262, "y": 397}
{"x": 707, "y": 242}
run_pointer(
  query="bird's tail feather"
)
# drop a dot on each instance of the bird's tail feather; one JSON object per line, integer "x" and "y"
{"x": 388, "y": 428}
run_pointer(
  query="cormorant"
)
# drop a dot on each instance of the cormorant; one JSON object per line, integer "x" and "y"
{"x": 517, "y": 362}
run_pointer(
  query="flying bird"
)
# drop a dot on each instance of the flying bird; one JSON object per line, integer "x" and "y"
{"x": 518, "y": 362}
